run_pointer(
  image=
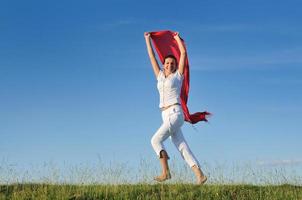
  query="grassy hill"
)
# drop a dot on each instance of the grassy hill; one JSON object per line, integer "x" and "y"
{"x": 149, "y": 191}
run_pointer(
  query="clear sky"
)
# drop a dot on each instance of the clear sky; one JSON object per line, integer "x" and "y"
{"x": 76, "y": 83}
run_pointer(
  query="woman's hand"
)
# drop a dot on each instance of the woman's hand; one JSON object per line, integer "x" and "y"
{"x": 147, "y": 35}
{"x": 176, "y": 35}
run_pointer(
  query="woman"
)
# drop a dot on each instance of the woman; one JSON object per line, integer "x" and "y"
{"x": 169, "y": 82}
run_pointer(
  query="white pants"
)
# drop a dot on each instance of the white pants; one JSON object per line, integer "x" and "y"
{"x": 173, "y": 119}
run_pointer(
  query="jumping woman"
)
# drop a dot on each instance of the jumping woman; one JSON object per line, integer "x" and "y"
{"x": 169, "y": 83}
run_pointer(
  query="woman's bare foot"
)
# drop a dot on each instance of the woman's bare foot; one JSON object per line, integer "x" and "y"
{"x": 162, "y": 177}
{"x": 201, "y": 178}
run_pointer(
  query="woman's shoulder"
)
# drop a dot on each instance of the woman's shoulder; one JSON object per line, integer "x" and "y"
{"x": 178, "y": 74}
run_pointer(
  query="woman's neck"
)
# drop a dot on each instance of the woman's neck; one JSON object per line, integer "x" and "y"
{"x": 167, "y": 73}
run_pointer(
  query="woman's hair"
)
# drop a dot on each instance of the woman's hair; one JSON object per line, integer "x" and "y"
{"x": 170, "y": 56}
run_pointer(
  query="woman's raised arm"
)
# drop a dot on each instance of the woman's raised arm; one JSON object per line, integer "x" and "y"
{"x": 183, "y": 53}
{"x": 151, "y": 54}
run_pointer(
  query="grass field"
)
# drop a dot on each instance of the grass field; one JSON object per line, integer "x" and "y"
{"x": 117, "y": 181}
{"x": 149, "y": 191}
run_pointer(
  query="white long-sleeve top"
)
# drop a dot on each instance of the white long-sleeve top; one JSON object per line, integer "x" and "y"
{"x": 169, "y": 88}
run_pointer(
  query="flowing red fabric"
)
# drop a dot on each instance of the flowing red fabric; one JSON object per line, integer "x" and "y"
{"x": 165, "y": 44}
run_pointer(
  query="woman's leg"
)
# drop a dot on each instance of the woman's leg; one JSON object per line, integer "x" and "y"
{"x": 157, "y": 143}
{"x": 201, "y": 178}
{"x": 182, "y": 146}
{"x": 159, "y": 137}
{"x": 165, "y": 167}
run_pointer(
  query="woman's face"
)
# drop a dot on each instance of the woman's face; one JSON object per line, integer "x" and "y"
{"x": 170, "y": 65}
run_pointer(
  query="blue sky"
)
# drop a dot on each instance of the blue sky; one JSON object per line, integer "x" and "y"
{"x": 76, "y": 83}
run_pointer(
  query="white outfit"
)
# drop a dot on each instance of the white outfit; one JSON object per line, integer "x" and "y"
{"x": 173, "y": 118}
{"x": 169, "y": 88}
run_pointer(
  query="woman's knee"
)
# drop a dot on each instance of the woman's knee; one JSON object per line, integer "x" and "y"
{"x": 163, "y": 154}
{"x": 154, "y": 141}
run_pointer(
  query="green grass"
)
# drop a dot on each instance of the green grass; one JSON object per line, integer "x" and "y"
{"x": 149, "y": 191}
{"x": 118, "y": 181}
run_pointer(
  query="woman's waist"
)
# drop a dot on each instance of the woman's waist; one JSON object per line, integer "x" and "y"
{"x": 164, "y": 108}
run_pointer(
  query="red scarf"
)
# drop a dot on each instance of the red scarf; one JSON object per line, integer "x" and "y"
{"x": 165, "y": 44}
